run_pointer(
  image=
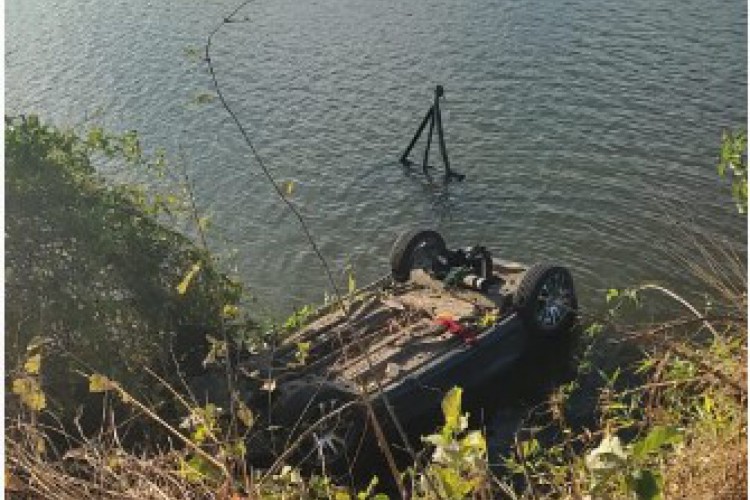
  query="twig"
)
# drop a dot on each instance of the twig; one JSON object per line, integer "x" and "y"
{"x": 664, "y": 383}
{"x": 293, "y": 446}
{"x": 526, "y": 475}
{"x": 125, "y": 396}
{"x": 637, "y": 335}
{"x": 741, "y": 391}
{"x": 232, "y": 428}
{"x": 669, "y": 293}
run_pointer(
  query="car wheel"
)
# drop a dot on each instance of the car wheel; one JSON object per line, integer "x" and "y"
{"x": 415, "y": 249}
{"x": 325, "y": 424}
{"x": 546, "y": 300}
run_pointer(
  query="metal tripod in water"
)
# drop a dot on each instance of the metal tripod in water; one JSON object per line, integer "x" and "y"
{"x": 433, "y": 116}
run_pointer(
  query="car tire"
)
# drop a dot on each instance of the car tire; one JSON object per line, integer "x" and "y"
{"x": 546, "y": 300}
{"x": 402, "y": 254}
{"x": 337, "y": 419}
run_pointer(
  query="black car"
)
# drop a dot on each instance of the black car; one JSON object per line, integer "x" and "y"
{"x": 441, "y": 318}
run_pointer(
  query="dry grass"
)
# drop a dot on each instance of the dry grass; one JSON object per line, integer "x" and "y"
{"x": 712, "y": 463}
{"x": 709, "y": 467}
{"x": 95, "y": 468}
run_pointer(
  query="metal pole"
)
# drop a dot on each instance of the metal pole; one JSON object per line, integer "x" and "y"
{"x": 449, "y": 173}
{"x": 404, "y": 158}
{"x": 441, "y": 138}
{"x": 429, "y": 140}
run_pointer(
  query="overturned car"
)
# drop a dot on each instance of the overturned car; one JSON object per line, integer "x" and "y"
{"x": 387, "y": 354}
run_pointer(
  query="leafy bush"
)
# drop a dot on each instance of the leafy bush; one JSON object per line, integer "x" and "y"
{"x": 733, "y": 163}
{"x": 94, "y": 281}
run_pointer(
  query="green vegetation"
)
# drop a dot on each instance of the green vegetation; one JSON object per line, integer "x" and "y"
{"x": 94, "y": 283}
{"x": 670, "y": 423}
{"x": 104, "y": 302}
{"x": 733, "y": 163}
{"x": 458, "y": 467}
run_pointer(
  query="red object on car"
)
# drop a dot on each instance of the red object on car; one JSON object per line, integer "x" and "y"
{"x": 456, "y": 328}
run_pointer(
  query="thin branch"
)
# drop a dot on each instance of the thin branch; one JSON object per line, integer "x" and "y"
{"x": 297, "y": 442}
{"x": 669, "y": 293}
{"x": 156, "y": 418}
{"x": 259, "y": 160}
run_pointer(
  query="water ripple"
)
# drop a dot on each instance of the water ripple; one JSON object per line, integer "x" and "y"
{"x": 586, "y": 128}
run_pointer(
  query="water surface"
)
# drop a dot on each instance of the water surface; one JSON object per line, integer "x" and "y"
{"x": 586, "y": 128}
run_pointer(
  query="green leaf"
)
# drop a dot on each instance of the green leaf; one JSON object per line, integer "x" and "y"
{"x": 200, "y": 434}
{"x": 298, "y": 318}
{"x": 203, "y": 223}
{"x": 99, "y": 383}
{"x": 237, "y": 449}
{"x": 351, "y": 282}
{"x": 475, "y": 443}
{"x": 40, "y": 445}
{"x": 185, "y": 283}
{"x": 33, "y": 364}
{"x": 204, "y": 98}
{"x": 708, "y": 404}
{"x": 216, "y": 351}
{"x": 96, "y": 138}
{"x": 364, "y": 495}
{"x": 131, "y": 146}
{"x": 30, "y": 392}
{"x": 193, "y": 53}
{"x": 455, "y": 486}
{"x": 612, "y": 294}
{"x": 245, "y": 414}
{"x": 594, "y": 329}
{"x": 646, "y": 485}
{"x": 303, "y": 350}
{"x": 529, "y": 448}
{"x": 287, "y": 187}
{"x": 35, "y": 344}
{"x": 488, "y": 319}
{"x": 645, "y": 365}
{"x": 230, "y": 311}
{"x": 197, "y": 469}
{"x": 733, "y": 161}
{"x": 451, "y": 406}
{"x": 658, "y": 436}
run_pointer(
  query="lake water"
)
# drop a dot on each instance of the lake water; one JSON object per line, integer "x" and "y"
{"x": 586, "y": 128}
